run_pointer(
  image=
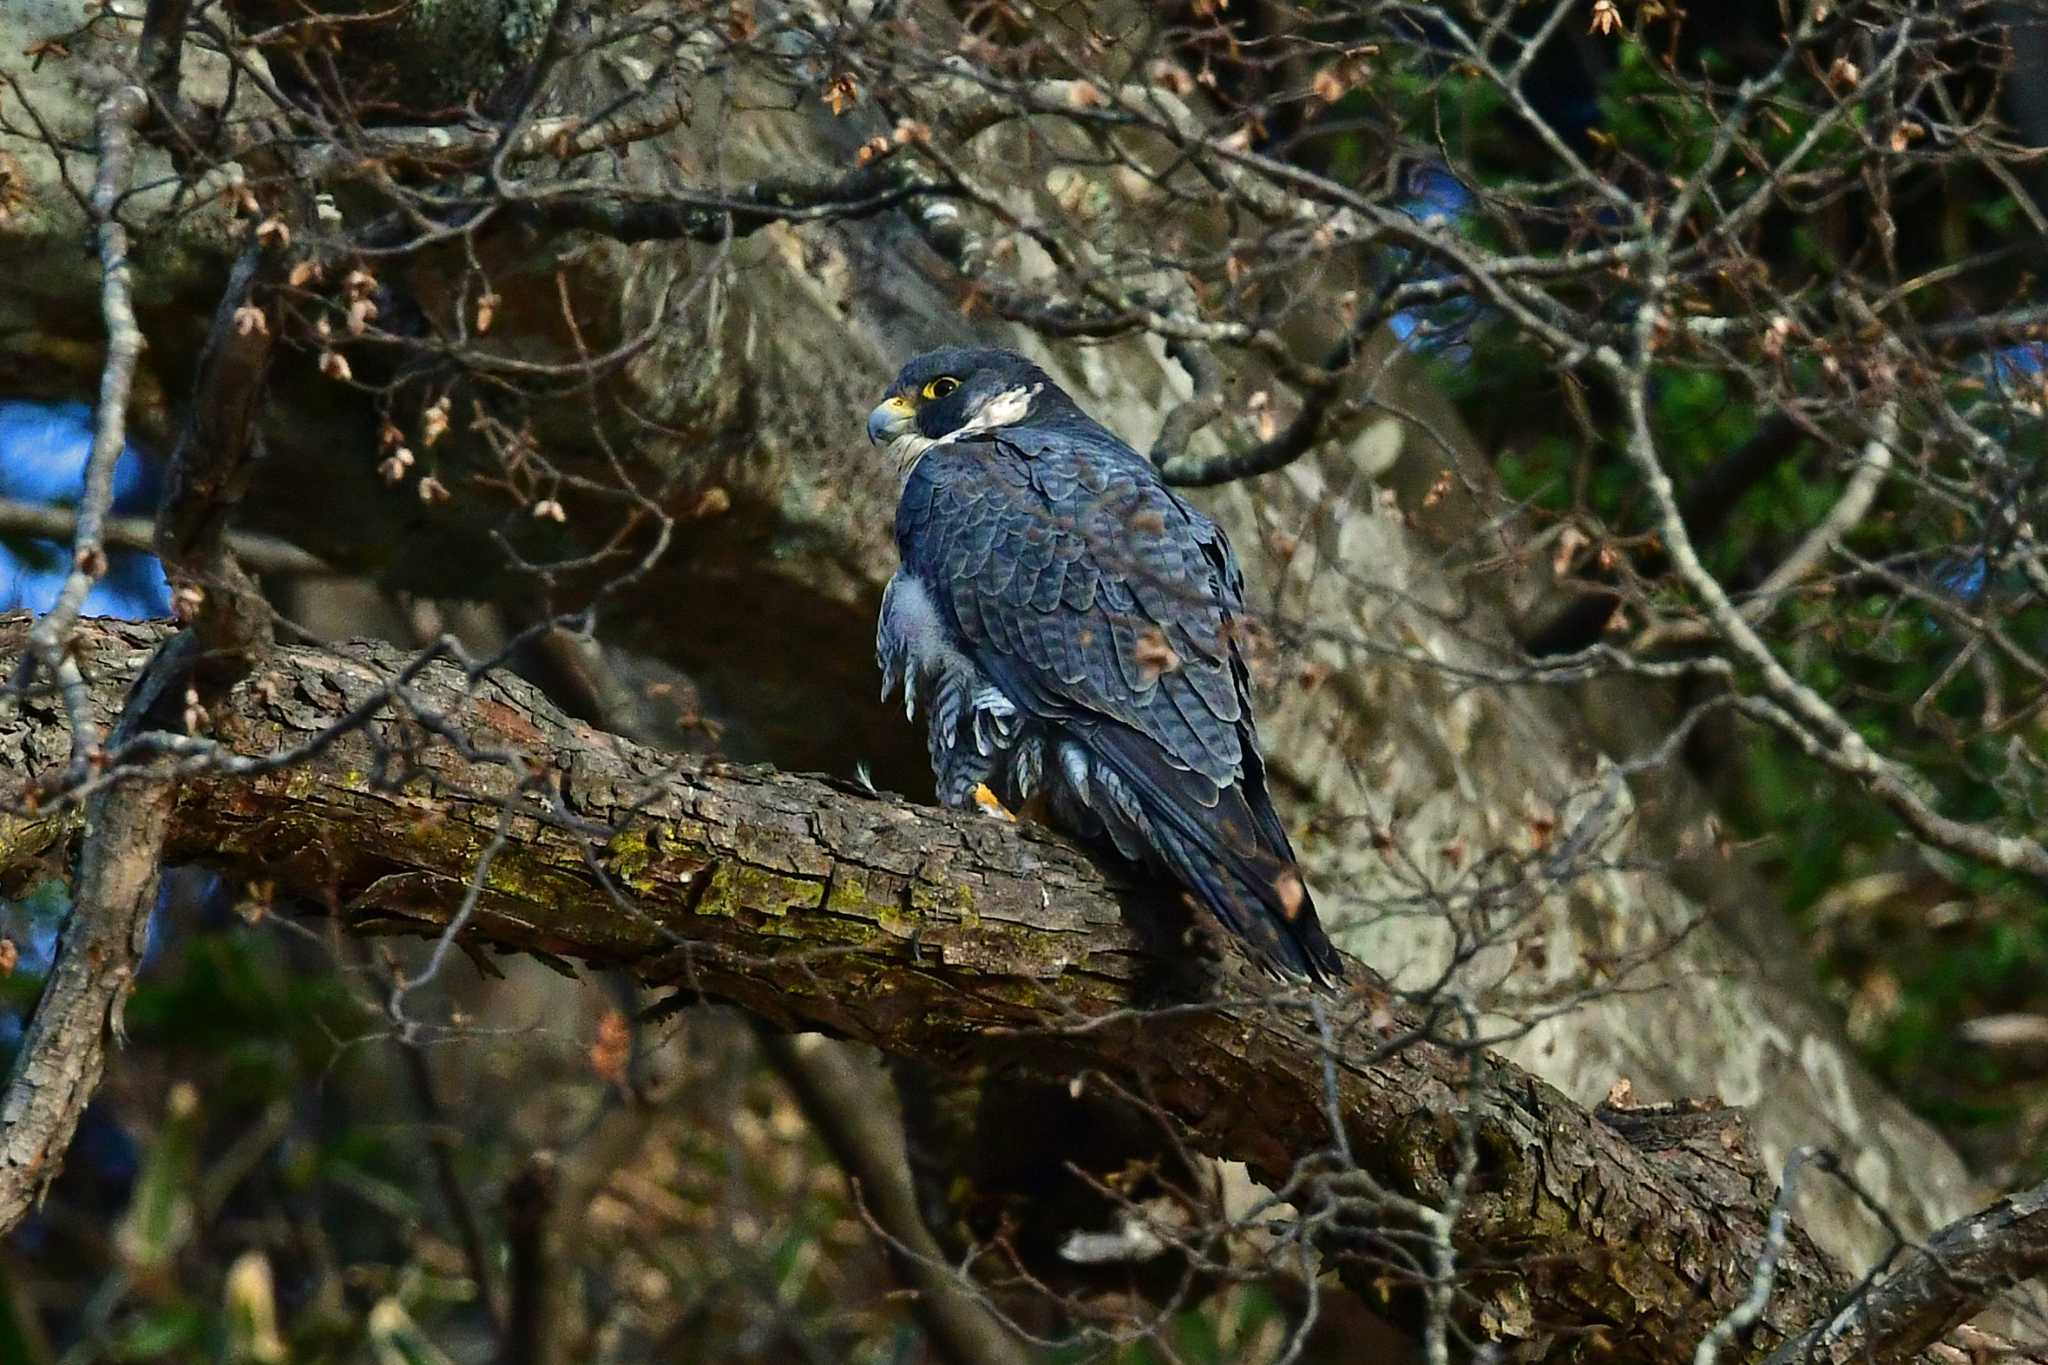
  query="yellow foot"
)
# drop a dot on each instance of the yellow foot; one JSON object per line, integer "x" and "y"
{"x": 990, "y": 804}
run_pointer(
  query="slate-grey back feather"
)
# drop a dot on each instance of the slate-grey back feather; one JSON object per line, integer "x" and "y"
{"x": 1049, "y": 571}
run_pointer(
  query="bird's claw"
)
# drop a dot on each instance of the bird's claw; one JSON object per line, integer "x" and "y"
{"x": 990, "y": 804}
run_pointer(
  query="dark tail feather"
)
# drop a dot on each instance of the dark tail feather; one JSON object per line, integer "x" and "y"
{"x": 1234, "y": 857}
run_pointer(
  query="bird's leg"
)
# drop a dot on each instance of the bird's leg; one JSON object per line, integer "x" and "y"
{"x": 988, "y": 803}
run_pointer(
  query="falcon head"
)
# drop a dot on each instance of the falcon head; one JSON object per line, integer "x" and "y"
{"x": 951, "y": 394}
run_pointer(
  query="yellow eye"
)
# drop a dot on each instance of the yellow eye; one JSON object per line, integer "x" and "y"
{"x": 941, "y": 386}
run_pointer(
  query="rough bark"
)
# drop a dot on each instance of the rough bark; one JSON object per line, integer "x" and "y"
{"x": 1932, "y": 1291}
{"x": 62, "y": 1053}
{"x": 948, "y": 938}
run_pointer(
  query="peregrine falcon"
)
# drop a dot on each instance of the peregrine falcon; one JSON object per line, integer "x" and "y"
{"x": 1074, "y": 631}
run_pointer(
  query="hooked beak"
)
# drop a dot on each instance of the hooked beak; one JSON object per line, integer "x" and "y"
{"x": 893, "y": 417}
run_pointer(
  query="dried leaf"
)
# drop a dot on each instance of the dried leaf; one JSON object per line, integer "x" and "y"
{"x": 1344, "y": 75}
{"x": 1292, "y": 894}
{"x": 842, "y": 92}
{"x": 613, "y": 1048}
{"x": 1569, "y": 542}
{"x": 434, "y": 421}
{"x": 257, "y": 898}
{"x": 1171, "y": 77}
{"x": 1154, "y": 655}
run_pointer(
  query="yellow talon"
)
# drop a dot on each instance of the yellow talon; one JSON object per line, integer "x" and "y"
{"x": 990, "y": 804}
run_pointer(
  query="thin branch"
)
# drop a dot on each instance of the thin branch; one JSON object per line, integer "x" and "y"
{"x": 64, "y": 1048}
{"x": 265, "y": 554}
{"x": 850, "y": 1108}
{"x": 529, "y": 1231}
{"x": 1814, "y": 547}
{"x": 161, "y": 55}
{"x": 710, "y": 216}
{"x": 1752, "y": 1307}
{"x": 444, "y": 1143}
{"x": 1791, "y": 706}
{"x": 1203, "y": 407}
{"x": 115, "y": 121}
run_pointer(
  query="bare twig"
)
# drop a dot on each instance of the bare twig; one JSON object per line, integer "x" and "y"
{"x": 161, "y": 55}
{"x": 265, "y": 554}
{"x": 115, "y": 121}
{"x": 444, "y": 1143}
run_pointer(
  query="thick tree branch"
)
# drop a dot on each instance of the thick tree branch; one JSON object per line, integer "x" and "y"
{"x": 215, "y": 458}
{"x": 1939, "y": 1285}
{"x": 64, "y": 1048}
{"x": 947, "y": 938}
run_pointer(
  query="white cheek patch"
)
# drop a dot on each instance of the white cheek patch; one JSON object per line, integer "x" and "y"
{"x": 999, "y": 411}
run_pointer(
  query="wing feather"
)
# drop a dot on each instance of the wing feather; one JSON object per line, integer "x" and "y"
{"x": 1097, "y": 600}
{"x": 1126, "y": 618}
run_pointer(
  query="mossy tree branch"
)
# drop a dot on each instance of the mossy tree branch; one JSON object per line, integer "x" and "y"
{"x": 948, "y": 938}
